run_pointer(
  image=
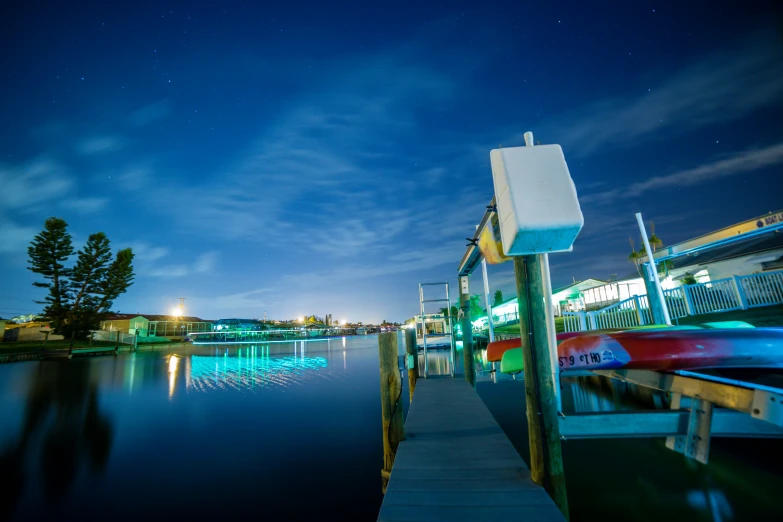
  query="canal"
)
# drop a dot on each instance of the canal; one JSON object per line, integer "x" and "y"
{"x": 293, "y": 431}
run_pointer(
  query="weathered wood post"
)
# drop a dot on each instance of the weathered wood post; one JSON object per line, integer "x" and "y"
{"x": 467, "y": 331}
{"x": 117, "y": 346}
{"x": 413, "y": 359}
{"x": 391, "y": 405}
{"x": 531, "y": 268}
{"x": 546, "y": 457}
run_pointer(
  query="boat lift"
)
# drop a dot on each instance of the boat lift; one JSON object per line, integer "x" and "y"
{"x": 452, "y": 345}
{"x": 701, "y": 405}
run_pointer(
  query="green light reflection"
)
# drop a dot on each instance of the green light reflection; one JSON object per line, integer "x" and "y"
{"x": 251, "y": 367}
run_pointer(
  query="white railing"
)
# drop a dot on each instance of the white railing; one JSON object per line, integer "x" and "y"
{"x": 760, "y": 289}
{"x": 634, "y": 311}
{"x": 630, "y": 312}
{"x": 716, "y": 296}
{"x": 677, "y": 302}
{"x": 721, "y": 295}
{"x": 574, "y": 321}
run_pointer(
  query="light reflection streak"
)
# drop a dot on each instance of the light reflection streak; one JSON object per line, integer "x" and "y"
{"x": 173, "y": 364}
{"x": 246, "y": 371}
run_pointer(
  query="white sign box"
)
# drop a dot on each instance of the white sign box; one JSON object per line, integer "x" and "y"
{"x": 538, "y": 210}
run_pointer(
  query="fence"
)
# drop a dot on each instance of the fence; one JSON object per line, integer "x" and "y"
{"x": 721, "y": 295}
{"x": 109, "y": 335}
{"x": 634, "y": 311}
{"x": 761, "y": 289}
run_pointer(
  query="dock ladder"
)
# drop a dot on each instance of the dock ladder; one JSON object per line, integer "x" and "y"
{"x": 452, "y": 346}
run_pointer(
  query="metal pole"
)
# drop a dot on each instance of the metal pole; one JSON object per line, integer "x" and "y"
{"x": 550, "y": 329}
{"x": 424, "y": 332}
{"x": 658, "y": 290}
{"x": 453, "y": 345}
{"x": 490, "y": 322}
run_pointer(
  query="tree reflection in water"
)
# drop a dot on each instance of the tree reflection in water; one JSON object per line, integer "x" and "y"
{"x": 62, "y": 431}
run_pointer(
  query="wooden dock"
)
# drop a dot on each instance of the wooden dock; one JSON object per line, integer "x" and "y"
{"x": 457, "y": 464}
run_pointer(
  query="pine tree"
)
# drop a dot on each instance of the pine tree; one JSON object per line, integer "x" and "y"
{"x": 117, "y": 280}
{"x": 47, "y": 254}
{"x": 78, "y": 297}
{"x": 498, "y": 298}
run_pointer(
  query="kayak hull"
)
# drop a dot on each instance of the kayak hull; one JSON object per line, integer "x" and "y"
{"x": 663, "y": 348}
{"x": 674, "y": 350}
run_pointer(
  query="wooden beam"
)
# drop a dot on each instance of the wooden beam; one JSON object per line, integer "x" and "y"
{"x": 413, "y": 359}
{"x": 467, "y": 332}
{"x": 391, "y": 405}
{"x": 546, "y": 458}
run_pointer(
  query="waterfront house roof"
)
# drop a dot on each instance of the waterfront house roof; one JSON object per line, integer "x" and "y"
{"x": 580, "y": 285}
{"x": 750, "y": 247}
{"x": 155, "y": 317}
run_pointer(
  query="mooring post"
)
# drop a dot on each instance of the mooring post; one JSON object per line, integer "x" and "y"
{"x": 117, "y": 346}
{"x": 467, "y": 331}
{"x": 391, "y": 405}
{"x": 546, "y": 458}
{"x": 413, "y": 359}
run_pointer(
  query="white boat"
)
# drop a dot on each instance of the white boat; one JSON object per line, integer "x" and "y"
{"x": 435, "y": 341}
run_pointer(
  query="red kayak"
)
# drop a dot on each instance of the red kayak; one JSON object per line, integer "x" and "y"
{"x": 496, "y": 349}
{"x": 674, "y": 350}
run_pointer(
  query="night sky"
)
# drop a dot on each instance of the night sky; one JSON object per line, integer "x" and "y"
{"x": 295, "y": 158}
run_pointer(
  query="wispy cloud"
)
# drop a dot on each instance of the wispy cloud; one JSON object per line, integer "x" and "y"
{"x": 85, "y": 205}
{"x": 738, "y": 163}
{"x": 149, "y": 114}
{"x": 332, "y": 150}
{"x": 15, "y": 239}
{"x": 148, "y": 252}
{"x": 721, "y": 87}
{"x": 100, "y": 145}
{"x": 203, "y": 264}
{"x": 28, "y": 185}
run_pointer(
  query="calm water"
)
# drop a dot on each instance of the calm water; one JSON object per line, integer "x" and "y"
{"x": 277, "y": 431}
{"x": 195, "y": 433}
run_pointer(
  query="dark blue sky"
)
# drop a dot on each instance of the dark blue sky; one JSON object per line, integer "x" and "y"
{"x": 311, "y": 158}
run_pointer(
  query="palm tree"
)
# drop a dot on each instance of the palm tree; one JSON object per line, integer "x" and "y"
{"x": 634, "y": 256}
{"x": 655, "y": 241}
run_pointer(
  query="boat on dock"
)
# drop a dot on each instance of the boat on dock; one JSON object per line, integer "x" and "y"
{"x": 714, "y": 345}
{"x": 251, "y": 331}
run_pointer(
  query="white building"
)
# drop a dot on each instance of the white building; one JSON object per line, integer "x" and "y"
{"x": 754, "y": 255}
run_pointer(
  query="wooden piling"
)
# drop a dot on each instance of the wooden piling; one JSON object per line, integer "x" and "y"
{"x": 546, "y": 458}
{"x": 413, "y": 357}
{"x": 467, "y": 333}
{"x": 117, "y": 346}
{"x": 391, "y": 404}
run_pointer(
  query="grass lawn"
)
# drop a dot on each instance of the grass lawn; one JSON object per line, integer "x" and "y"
{"x": 51, "y": 346}
{"x": 514, "y": 328}
{"x": 761, "y": 316}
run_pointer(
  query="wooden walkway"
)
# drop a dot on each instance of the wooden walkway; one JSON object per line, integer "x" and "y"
{"x": 457, "y": 464}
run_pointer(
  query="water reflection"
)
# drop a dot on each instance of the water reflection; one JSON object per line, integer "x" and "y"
{"x": 173, "y": 365}
{"x": 62, "y": 432}
{"x": 248, "y": 369}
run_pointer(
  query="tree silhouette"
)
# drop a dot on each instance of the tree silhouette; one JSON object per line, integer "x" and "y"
{"x": 62, "y": 430}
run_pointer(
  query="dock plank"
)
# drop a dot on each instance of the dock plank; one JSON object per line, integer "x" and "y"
{"x": 457, "y": 464}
